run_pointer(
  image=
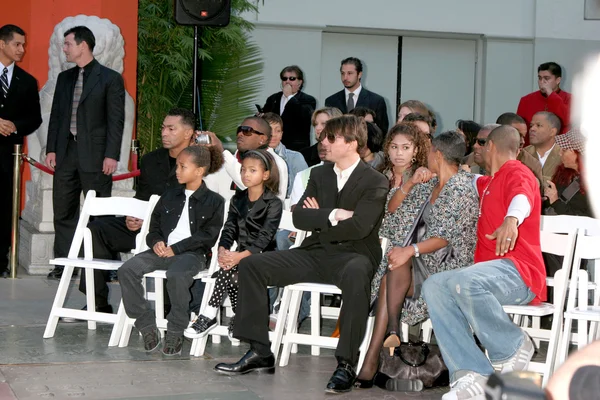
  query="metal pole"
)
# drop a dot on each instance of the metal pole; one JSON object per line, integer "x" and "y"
{"x": 16, "y": 208}
{"x": 195, "y": 74}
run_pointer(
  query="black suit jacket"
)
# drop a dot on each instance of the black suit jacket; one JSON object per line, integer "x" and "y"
{"x": 364, "y": 193}
{"x": 254, "y": 230}
{"x": 100, "y": 116}
{"x": 365, "y": 99}
{"x": 296, "y": 118}
{"x": 206, "y": 210}
{"x": 156, "y": 175}
{"x": 21, "y": 107}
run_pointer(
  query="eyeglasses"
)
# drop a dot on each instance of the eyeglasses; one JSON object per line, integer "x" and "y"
{"x": 331, "y": 137}
{"x": 291, "y": 78}
{"x": 248, "y": 130}
{"x": 481, "y": 142}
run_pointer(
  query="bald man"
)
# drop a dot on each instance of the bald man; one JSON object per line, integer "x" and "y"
{"x": 508, "y": 270}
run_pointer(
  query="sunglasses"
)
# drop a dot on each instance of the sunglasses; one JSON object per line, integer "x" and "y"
{"x": 248, "y": 130}
{"x": 329, "y": 136}
{"x": 481, "y": 142}
{"x": 291, "y": 78}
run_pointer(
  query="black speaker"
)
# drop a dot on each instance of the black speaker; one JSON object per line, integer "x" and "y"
{"x": 203, "y": 12}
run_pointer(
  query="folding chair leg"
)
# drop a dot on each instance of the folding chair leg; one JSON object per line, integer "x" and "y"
{"x": 284, "y": 307}
{"x": 315, "y": 319}
{"x": 295, "y": 309}
{"x": 59, "y": 301}
{"x": 566, "y": 340}
{"x": 159, "y": 302}
{"x": 117, "y": 330}
{"x": 536, "y": 324}
{"x": 199, "y": 345}
{"x": 291, "y": 327}
{"x": 582, "y": 333}
{"x": 126, "y": 334}
{"x": 90, "y": 294}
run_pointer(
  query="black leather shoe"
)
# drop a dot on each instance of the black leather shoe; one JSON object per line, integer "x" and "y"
{"x": 5, "y": 273}
{"x": 56, "y": 273}
{"x": 251, "y": 362}
{"x": 342, "y": 379}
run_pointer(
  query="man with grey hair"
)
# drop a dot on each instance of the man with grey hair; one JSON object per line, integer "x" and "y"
{"x": 475, "y": 160}
{"x": 542, "y": 131}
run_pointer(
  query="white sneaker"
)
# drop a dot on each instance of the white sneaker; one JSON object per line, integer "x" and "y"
{"x": 520, "y": 361}
{"x": 469, "y": 386}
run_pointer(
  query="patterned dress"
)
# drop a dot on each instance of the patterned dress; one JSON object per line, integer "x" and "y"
{"x": 453, "y": 217}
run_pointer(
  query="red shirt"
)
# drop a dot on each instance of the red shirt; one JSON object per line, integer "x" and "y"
{"x": 512, "y": 179}
{"x": 558, "y": 103}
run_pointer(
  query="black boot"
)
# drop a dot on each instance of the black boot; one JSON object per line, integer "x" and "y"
{"x": 342, "y": 379}
{"x": 249, "y": 363}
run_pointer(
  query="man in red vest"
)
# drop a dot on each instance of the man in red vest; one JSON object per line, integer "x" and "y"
{"x": 550, "y": 97}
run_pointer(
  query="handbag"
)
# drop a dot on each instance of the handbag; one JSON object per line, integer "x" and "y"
{"x": 416, "y": 361}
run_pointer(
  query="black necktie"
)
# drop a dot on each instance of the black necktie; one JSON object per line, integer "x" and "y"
{"x": 4, "y": 82}
{"x": 350, "y": 104}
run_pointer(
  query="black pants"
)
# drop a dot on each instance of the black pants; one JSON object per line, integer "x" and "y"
{"x": 180, "y": 268}
{"x": 110, "y": 236}
{"x": 6, "y": 189}
{"x": 69, "y": 181}
{"x": 351, "y": 272}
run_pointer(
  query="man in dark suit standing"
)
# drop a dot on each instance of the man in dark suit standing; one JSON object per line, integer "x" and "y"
{"x": 20, "y": 115}
{"x": 342, "y": 207}
{"x": 84, "y": 134}
{"x": 354, "y": 95}
{"x": 294, "y": 107}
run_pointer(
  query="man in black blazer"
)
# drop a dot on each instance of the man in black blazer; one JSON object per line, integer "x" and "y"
{"x": 84, "y": 134}
{"x": 354, "y": 95}
{"x": 342, "y": 207}
{"x": 294, "y": 107}
{"x": 20, "y": 115}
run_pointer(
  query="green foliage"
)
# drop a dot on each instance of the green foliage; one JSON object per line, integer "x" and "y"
{"x": 231, "y": 70}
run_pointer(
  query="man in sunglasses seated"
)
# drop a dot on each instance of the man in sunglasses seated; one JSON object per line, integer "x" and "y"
{"x": 294, "y": 107}
{"x": 342, "y": 207}
{"x": 254, "y": 133}
{"x": 476, "y": 160}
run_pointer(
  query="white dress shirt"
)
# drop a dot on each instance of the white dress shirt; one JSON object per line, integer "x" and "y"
{"x": 284, "y": 101}
{"x": 342, "y": 177}
{"x": 356, "y": 94}
{"x": 545, "y": 156}
{"x": 11, "y": 69}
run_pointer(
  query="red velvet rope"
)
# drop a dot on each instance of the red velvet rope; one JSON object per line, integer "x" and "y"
{"x": 47, "y": 170}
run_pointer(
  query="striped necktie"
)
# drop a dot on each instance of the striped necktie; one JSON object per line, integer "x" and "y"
{"x": 76, "y": 97}
{"x": 4, "y": 82}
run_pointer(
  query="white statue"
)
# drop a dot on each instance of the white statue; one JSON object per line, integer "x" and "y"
{"x": 109, "y": 51}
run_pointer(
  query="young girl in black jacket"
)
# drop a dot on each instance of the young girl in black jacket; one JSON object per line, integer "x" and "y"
{"x": 253, "y": 219}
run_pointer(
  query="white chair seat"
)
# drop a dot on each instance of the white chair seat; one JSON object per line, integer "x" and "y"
{"x": 94, "y": 263}
{"x": 539, "y": 310}
{"x": 592, "y": 313}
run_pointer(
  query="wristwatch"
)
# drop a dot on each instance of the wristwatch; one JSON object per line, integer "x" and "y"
{"x": 417, "y": 254}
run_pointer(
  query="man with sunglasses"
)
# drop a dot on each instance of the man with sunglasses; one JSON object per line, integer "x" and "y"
{"x": 294, "y": 107}
{"x": 476, "y": 160}
{"x": 342, "y": 207}
{"x": 254, "y": 133}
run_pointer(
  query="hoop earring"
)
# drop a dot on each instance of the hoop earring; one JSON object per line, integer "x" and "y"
{"x": 413, "y": 160}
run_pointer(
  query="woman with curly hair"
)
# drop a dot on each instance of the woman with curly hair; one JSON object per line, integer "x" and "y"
{"x": 436, "y": 220}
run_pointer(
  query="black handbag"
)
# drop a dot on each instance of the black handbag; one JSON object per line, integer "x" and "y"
{"x": 416, "y": 361}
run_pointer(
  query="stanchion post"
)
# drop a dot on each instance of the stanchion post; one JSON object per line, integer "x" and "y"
{"x": 16, "y": 207}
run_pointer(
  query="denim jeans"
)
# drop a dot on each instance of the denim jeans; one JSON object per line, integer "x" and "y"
{"x": 469, "y": 300}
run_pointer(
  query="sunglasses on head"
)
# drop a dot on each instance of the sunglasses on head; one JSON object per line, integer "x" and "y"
{"x": 481, "y": 142}
{"x": 248, "y": 130}
{"x": 291, "y": 78}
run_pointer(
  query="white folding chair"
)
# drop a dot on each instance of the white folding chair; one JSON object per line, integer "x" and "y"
{"x": 578, "y": 308}
{"x": 158, "y": 297}
{"x": 93, "y": 206}
{"x": 199, "y": 345}
{"x": 560, "y": 245}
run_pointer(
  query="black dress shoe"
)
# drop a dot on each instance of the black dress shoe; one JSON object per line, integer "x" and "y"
{"x": 56, "y": 273}
{"x": 251, "y": 362}
{"x": 342, "y": 379}
{"x": 5, "y": 273}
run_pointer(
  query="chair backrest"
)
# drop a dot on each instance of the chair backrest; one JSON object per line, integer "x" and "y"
{"x": 140, "y": 239}
{"x": 287, "y": 223}
{"x": 212, "y": 267}
{"x": 587, "y": 248}
{"x": 569, "y": 223}
{"x": 98, "y": 206}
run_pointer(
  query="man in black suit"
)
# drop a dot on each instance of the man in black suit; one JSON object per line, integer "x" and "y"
{"x": 342, "y": 207}
{"x": 354, "y": 95}
{"x": 114, "y": 235}
{"x": 84, "y": 134}
{"x": 20, "y": 115}
{"x": 294, "y": 107}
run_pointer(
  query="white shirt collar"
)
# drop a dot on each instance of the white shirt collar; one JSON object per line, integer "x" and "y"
{"x": 544, "y": 157}
{"x": 343, "y": 175}
{"x": 356, "y": 94}
{"x": 11, "y": 68}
